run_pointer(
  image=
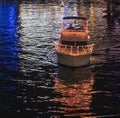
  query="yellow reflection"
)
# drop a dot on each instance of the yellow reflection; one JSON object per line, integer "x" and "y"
{"x": 75, "y": 89}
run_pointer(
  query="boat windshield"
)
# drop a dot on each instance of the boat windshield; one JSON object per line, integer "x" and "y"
{"x": 73, "y": 24}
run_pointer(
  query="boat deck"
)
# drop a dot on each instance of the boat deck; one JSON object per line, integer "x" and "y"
{"x": 74, "y": 50}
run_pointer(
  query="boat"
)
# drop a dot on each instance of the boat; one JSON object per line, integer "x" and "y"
{"x": 74, "y": 47}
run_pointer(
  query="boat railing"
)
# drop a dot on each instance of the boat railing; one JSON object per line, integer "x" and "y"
{"x": 74, "y": 50}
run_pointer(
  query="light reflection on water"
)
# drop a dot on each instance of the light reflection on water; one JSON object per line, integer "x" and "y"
{"x": 74, "y": 89}
{"x": 33, "y": 84}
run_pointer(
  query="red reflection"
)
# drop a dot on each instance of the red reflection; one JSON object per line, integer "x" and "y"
{"x": 75, "y": 96}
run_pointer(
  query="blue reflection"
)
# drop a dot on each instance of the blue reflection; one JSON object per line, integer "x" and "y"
{"x": 8, "y": 38}
{"x": 9, "y": 59}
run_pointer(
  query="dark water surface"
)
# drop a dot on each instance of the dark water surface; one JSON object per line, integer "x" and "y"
{"x": 33, "y": 85}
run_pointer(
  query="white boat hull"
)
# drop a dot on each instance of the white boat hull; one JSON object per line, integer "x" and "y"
{"x": 73, "y": 61}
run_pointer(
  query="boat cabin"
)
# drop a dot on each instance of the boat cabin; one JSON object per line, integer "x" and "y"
{"x": 74, "y": 29}
{"x": 75, "y": 24}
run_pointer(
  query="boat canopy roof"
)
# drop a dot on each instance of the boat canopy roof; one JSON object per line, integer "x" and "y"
{"x": 74, "y": 17}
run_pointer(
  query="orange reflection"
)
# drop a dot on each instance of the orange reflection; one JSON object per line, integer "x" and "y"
{"x": 74, "y": 87}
